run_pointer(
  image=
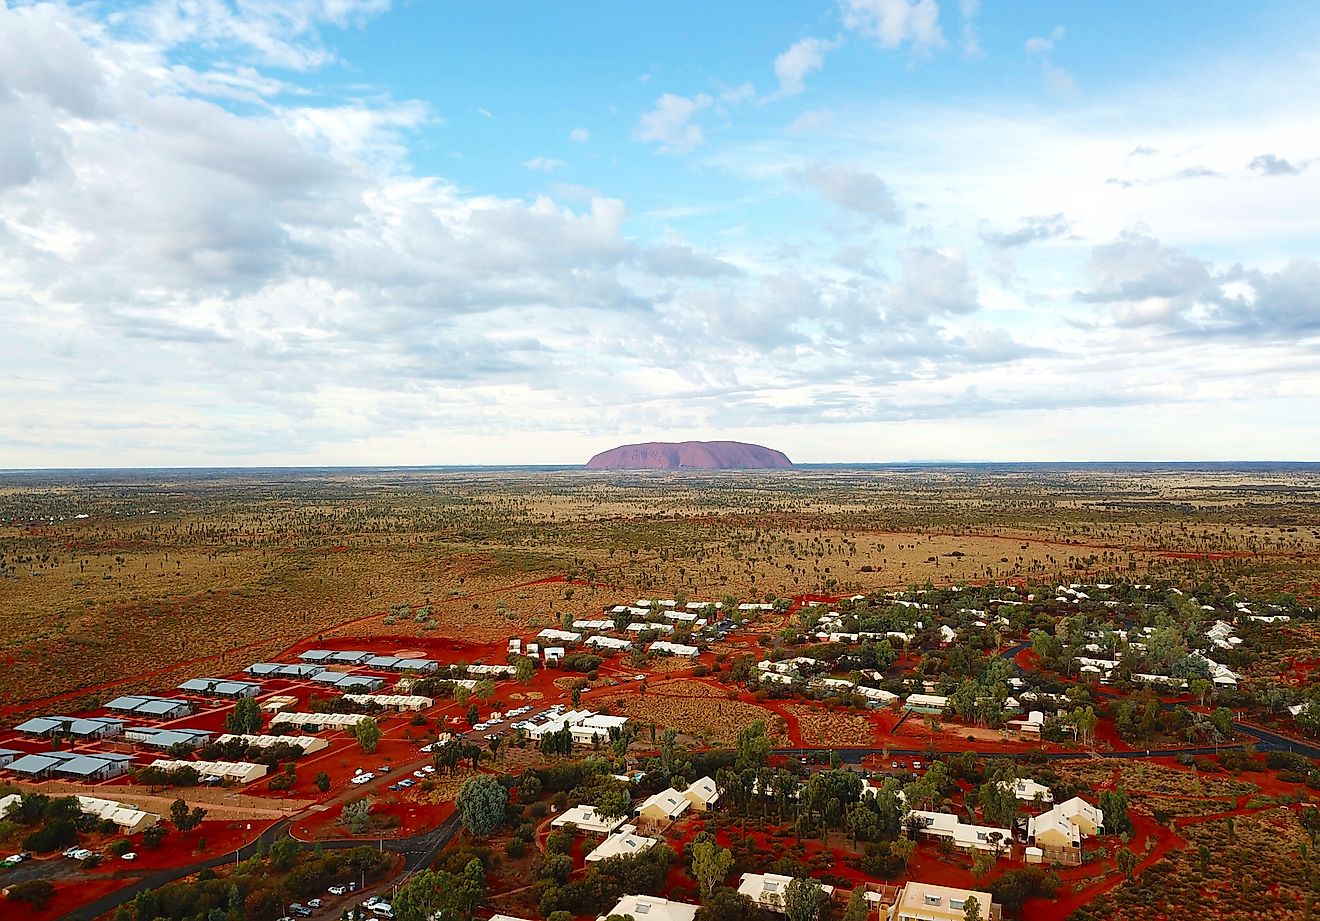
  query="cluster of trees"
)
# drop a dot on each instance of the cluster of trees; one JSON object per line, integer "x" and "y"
{"x": 442, "y": 895}
{"x": 185, "y": 819}
{"x": 238, "y": 750}
{"x": 245, "y": 718}
{"x": 482, "y": 804}
{"x": 184, "y": 776}
{"x": 367, "y": 732}
{"x": 260, "y": 887}
{"x": 603, "y": 883}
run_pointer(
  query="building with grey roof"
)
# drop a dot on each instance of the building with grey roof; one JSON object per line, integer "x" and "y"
{"x": 145, "y": 705}
{"x": 92, "y": 727}
{"x": 155, "y": 737}
{"x": 220, "y": 687}
{"x": 284, "y": 670}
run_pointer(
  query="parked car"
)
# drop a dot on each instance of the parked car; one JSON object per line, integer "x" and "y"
{"x": 314, "y": 903}
{"x": 338, "y": 890}
{"x": 419, "y": 773}
{"x": 302, "y": 911}
{"x": 129, "y": 856}
{"x": 429, "y": 769}
{"x": 405, "y": 784}
{"x": 916, "y": 765}
{"x": 384, "y": 769}
{"x": 363, "y": 778}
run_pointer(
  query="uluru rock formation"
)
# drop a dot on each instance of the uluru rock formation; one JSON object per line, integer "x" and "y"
{"x": 690, "y": 455}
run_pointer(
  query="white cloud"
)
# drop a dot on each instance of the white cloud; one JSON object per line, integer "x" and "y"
{"x": 1044, "y": 44}
{"x": 670, "y": 123}
{"x": 1058, "y": 79}
{"x": 852, "y": 189}
{"x": 802, "y": 58}
{"x": 971, "y": 41}
{"x": 544, "y": 164}
{"x": 580, "y": 135}
{"x": 891, "y": 23}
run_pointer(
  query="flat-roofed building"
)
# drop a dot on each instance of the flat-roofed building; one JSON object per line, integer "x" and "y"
{"x": 673, "y": 649}
{"x": 130, "y": 819}
{"x": 308, "y": 744}
{"x": 393, "y": 701}
{"x": 651, "y": 908}
{"x": 87, "y": 767}
{"x": 566, "y": 637}
{"x": 150, "y": 707}
{"x": 928, "y": 902}
{"x": 219, "y": 687}
{"x": 925, "y": 703}
{"x": 623, "y": 843}
{"x": 293, "y": 671}
{"x": 317, "y": 721}
{"x": 91, "y": 727}
{"x": 242, "y": 772}
{"x": 156, "y": 737}
{"x": 588, "y": 819}
{"x": 767, "y": 889}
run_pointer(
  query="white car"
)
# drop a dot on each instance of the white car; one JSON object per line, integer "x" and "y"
{"x": 338, "y": 890}
{"x": 429, "y": 769}
{"x": 419, "y": 773}
{"x": 129, "y": 856}
{"x": 363, "y": 778}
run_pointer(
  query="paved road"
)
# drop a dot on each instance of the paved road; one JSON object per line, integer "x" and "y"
{"x": 418, "y": 852}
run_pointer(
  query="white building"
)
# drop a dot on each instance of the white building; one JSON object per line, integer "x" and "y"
{"x": 585, "y": 818}
{"x": 965, "y": 837}
{"x": 651, "y": 908}
{"x": 623, "y": 843}
{"x": 673, "y": 649}
{"x": 767, "y": 889}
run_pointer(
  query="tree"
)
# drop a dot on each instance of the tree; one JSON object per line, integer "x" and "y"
{"x": 524, "y": 670}
{"x": 185, "y": 819}
{"x": 803, "y": 899}
{"x": 367, "y": 733}
{"x": 357, "y": 815}
{"x": 1127, "y": 862}
{"x": 971, "y": 909}
{"x": 481, "y": 802}
{"x": 245, "y": 718}
{"x": 322, "y": 781}
{"x": 613, "y": 802}
{"x": 982, "y": 863}
{"x": 858, "y": 908}
{"x": 484, "y": 690}
{"x": 710, "y": 864}
{"x": 36, "y": 892}
{"x": 753, "y": 747}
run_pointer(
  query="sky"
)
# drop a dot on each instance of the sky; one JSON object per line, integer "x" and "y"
{"x": 323, "y": 232}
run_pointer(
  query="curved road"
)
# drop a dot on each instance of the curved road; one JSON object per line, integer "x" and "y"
{"x": 418, "y": 852}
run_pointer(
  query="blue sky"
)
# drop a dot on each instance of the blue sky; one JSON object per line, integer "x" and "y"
{"x": 357, "y": 231}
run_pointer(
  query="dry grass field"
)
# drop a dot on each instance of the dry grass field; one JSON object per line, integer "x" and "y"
{"x": 699, "y": 719}
{"x": 139, "y": 578}
{"x": 825, "y": 728}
